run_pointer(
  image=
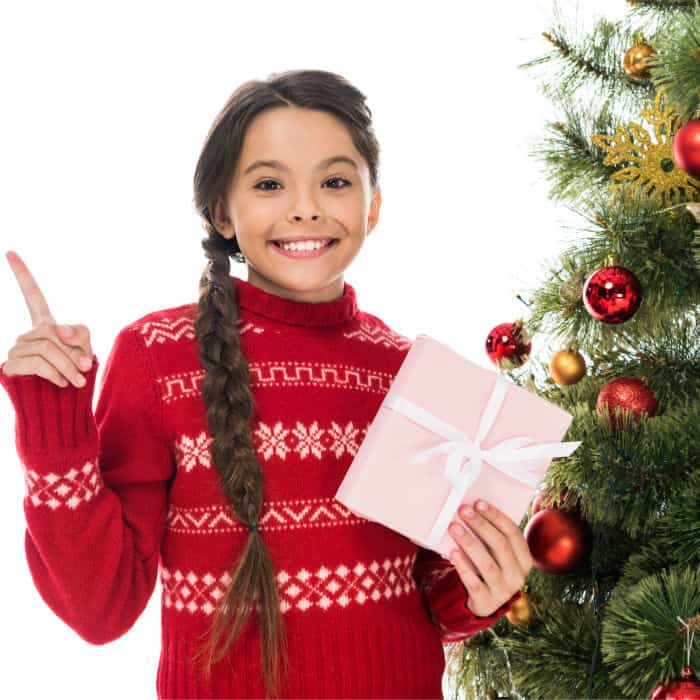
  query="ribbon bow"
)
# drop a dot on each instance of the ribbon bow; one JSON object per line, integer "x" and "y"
{"x": 509, "y": 456}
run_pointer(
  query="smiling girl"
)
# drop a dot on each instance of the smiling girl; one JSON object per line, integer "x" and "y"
{"x": 224, "y": 427}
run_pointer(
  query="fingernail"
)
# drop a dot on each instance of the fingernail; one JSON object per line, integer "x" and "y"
{"x": 482, "y": 506}
{"x": 456, "y": 530}
{"x": 85, "y": 363}
{"x": 66, "y": 330}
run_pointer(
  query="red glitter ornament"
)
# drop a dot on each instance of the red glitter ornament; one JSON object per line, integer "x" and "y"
{"x": 508, "y": 345}
{"x": 686, "y": 148}
{"x": 559, "y": 541}
{"x": 626, "y": 392}
{"x": 612, "y": 294}
{"x": 685, "y": 688}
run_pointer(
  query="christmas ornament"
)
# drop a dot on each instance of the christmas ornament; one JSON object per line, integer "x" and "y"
{"x": 508, "y": 345}
{"x": 559, "y": 541}
{"x": 521, "y": 611}
{"x": 686, "y": 148}
{"x": 629, "y": 393}
{"x": 649, "y": 165}
{"x": 685, "y": 688}
{"x": 567, "y": 366}
{"x": 570, "y": 290}
{"x": 636, "y": 61}
{"x": 612, "y": 294}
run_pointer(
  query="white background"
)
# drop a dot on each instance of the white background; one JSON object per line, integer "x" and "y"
{"x": 106, "y": 108}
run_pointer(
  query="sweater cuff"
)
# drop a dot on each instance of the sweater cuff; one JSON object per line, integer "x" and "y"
{"x": 51, "y": 422}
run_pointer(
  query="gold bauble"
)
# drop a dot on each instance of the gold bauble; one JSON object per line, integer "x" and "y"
{"x": 567, "y": 366}
{"x": 521, "y": 611}
{"x": 635, "y": 61}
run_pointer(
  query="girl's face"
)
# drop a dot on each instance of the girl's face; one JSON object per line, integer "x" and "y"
{"x": 299, "y": 195}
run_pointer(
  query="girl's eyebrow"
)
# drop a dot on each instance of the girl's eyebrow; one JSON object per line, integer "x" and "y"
{"x": 281, "y": 166}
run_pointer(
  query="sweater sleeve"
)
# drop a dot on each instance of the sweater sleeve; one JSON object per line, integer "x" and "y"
{"x": 96, "y": 489}
{"x": 445, "y": 598}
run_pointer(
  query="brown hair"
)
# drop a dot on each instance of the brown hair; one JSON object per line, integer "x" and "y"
{"x": 226, "y": 389}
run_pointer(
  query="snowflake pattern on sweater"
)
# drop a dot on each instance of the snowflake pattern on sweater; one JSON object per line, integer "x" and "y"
{"x": 126, "y": 496}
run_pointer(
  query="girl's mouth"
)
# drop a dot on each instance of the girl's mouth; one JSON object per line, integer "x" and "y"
{"x": 304, "y": 253}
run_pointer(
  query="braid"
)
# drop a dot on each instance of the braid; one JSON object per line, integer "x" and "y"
{"x": 230, "y": 408}
{"x": 226, "y": 390}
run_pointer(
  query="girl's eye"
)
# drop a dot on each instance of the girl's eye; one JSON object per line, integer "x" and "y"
{"x": 338, "y": 179}
{"x": 332, "y": 179}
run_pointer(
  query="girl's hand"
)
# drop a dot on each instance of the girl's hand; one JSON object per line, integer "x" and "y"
{"x": 45, "y": 350}
{"x": 493, "y": 565}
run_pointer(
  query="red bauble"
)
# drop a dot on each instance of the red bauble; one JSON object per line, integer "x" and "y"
{"x": 612, "y": 294}
{"x": 626, "y": 392}
{"x": 508, "y": 345}
{"x": 686, "y": 148}
{"x": 559, "y": 541}
{"x": 685, "y": 688}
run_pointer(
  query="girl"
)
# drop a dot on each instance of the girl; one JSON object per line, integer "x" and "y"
{"x": 224, "y": 428}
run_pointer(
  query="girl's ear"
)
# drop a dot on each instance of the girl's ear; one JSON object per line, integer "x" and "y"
{"x": 374, "y": 207}
{"x": 220, "y": 218}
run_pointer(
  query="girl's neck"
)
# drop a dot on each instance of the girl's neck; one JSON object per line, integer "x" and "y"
{"x": 340, "y": 309}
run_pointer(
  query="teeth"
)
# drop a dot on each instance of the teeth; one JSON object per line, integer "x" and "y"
{"x": 303, "y": 245}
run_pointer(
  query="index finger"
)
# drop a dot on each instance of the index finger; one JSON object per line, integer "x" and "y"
{"x": 36, "y": 303}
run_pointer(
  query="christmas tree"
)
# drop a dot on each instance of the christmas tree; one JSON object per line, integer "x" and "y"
{"x": 610, "y": 609}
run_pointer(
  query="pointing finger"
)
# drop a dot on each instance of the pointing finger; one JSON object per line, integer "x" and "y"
{"x": 36, "y": 303}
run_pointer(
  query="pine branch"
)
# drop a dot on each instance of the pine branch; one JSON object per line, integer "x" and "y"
{"x": 574, "y": 162}
{"x": 632, "y": 232}
{"x": 677, "y": 67}
{"x": 557, "y": 653}
{"x": 643, "y": 642}
{"x": 593, "y": 60}
{"x": 675, "y": 539}
{"x": 661, "y": 10}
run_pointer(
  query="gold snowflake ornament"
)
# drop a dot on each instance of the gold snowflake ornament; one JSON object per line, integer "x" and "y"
{"x": 647, "y": 164}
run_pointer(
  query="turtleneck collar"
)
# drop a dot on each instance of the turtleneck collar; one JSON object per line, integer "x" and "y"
{"x": 303, "y": 313}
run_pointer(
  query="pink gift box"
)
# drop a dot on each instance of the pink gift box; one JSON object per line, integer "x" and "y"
{"x": 451, "y": 432}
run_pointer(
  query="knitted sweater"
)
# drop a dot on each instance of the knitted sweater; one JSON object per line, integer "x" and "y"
{"x": 127, "y": 494}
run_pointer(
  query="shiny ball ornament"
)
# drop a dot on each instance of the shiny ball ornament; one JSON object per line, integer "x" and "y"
{"x": 629, "y": 393}
{"x": 559, "y": 541}
{"x": 521, "y": 612}
{"x": 567, "y": 366}
{"x": 686, "y": 148}
{"x": 612, "y": 294}
{"x": 636, "y": 61}
{"x": 508, "y": 345}
{"x": 685, "y": 688}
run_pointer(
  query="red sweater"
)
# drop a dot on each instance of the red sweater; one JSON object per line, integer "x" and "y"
{"x": 121, "y": 496}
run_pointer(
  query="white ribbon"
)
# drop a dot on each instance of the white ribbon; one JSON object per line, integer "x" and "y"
{"x": 508, "y": 456}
